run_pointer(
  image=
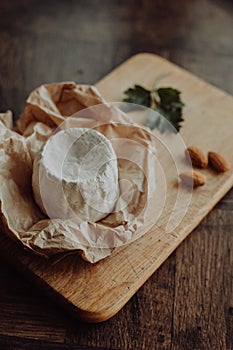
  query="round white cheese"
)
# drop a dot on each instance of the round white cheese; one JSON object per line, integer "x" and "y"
{"x": 75, "y": 176}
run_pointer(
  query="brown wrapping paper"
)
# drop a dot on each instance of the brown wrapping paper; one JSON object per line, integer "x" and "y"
{"x": 46, "y": 108}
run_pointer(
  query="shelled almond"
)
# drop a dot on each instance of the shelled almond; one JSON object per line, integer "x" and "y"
{"x": 198, "y": 158}
{"x": 192, "y": 178}
{"x": 218, "y": 162}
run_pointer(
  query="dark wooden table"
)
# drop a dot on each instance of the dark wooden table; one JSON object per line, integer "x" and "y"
{"x": 188, "y": 302}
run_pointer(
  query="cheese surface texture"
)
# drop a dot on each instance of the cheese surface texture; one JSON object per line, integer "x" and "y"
{"x": 75, "y": 176}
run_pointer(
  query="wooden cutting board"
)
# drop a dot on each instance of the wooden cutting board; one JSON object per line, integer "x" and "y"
{"x": 97, "y": 292}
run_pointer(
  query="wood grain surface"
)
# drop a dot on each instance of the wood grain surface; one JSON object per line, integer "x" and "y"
{"x": 195, "y": 35}
{"x": 97, "y": 292}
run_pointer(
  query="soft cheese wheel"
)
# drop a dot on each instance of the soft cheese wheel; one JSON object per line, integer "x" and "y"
{"x": 75, "y": 176}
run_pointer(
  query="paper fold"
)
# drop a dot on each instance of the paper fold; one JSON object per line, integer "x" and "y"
{"x": 47, "y": 108}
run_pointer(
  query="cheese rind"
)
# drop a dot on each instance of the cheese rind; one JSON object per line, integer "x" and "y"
{"x": 75, "y": 176}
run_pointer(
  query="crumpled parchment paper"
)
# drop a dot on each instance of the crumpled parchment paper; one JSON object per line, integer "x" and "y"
{"x": 47, "y": 108}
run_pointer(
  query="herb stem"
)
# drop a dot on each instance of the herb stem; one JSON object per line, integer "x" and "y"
{"x": 159, "y": 78}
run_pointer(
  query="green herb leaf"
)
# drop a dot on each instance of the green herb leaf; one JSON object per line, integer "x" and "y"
{"x": 170, "y": 106}
{"x": 138, "y": 95}
{"x": 168, "y": 95}
{"x": 165, "y": 101}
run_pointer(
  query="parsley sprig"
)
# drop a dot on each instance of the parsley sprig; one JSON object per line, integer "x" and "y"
{"x": 166, "y": 101}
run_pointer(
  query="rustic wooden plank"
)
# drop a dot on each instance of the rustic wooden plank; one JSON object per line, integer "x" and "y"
{"x": 23, "y": 304}
{"x": 8, "y": 343}
{"x": 198, "y": 315}
{"x": 227, "y": 202}
{"x": 201, "y": 317}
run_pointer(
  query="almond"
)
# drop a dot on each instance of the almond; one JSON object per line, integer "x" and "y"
{"x": 198, "y": 157}
{"x": 218, "y": 162}
{"x": 192, "y": 178}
